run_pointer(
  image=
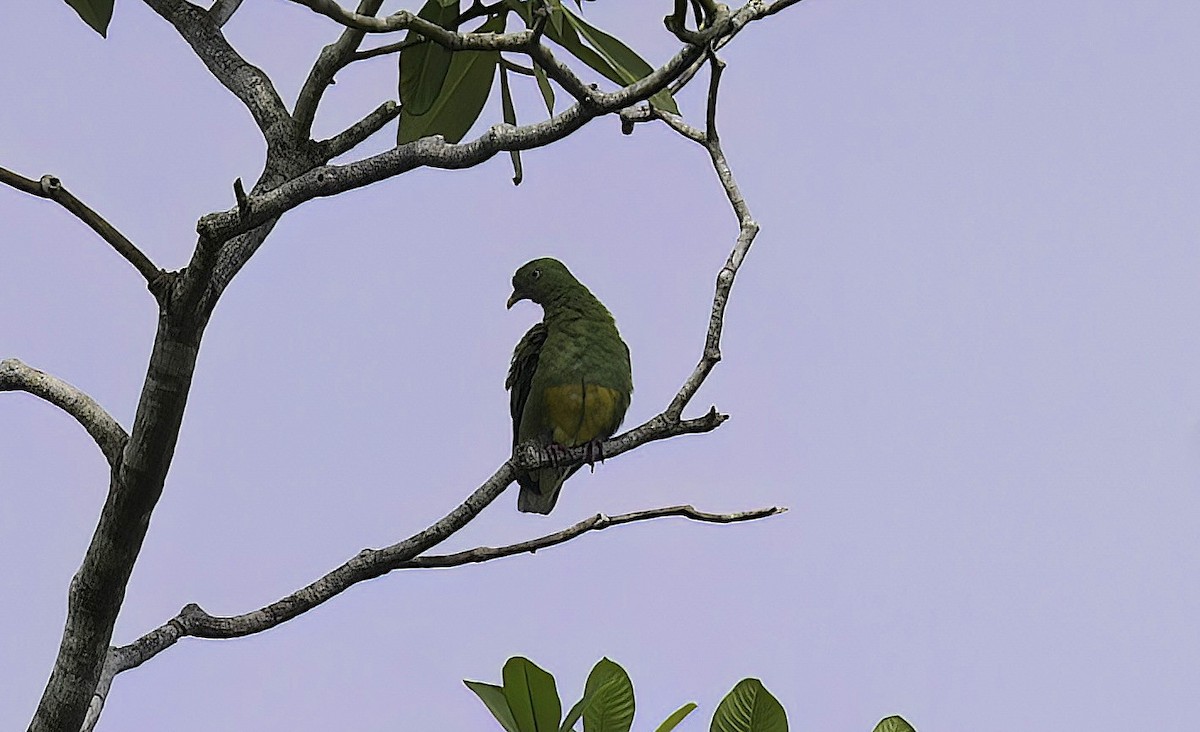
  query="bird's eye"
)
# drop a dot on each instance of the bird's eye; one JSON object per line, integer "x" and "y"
{"x": 536, "y": 273}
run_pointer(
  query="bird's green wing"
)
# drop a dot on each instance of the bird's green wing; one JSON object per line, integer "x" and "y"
{"x": 520, "y": 373}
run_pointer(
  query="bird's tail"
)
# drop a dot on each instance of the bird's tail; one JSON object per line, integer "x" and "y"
{"x": 539, "y": 491}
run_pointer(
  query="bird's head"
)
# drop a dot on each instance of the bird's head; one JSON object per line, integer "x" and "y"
{"x": 540, "y": 280}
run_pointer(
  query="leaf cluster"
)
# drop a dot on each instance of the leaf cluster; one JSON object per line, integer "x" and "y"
{"x": 528, "y": 701}
{"x": 443, "y": 92}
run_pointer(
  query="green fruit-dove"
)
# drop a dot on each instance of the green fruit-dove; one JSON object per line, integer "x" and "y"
{"x": 570, "y": 381}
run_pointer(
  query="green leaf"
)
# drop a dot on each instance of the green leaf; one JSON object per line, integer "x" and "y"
{"x": 461, "y": 99}
{"x": 510, "y": 116}
{"x": 749, "y": 707}
{"x": 96, "y": 13}
{"x": 894, "y": 724}
{"x": 612, "y": 707}
{"x": 493, "y": 697}
{"x": 569, "y": 40}
{"x": 423, "y": 67}
{"x": 544, "y": 87}
{"x": 614, "y": 61}
{"x": 531, "y": 696}
{"x": 629, "y": 66}
{"x": 556, "y": 15}
{"x": 676, "y": 717}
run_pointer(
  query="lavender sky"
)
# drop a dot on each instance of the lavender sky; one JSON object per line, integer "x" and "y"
{"x": 963, "y": 351}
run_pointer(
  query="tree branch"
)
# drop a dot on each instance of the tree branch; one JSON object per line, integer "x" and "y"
{"x": 593, "y": 523}
{"x": 332, "y": 59}
{"x": 434, "y": 152}
{"x": 222, "y": 10}
{"x": 349, "y": 138}
{"x": 108, "y": 434}
{"x": 193, "y": 621}
{"x": 52, "y": 188}
{"x": 747, "y": 227}
{"x": 247, "y": 82}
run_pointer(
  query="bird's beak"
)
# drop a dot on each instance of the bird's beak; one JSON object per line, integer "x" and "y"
{"x": 515, "y": 298}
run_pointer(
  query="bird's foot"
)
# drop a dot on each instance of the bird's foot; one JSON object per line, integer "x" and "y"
{"x": 594, "y": 452}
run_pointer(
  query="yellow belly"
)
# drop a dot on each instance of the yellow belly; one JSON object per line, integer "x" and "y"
{"x": 580, "y": 413}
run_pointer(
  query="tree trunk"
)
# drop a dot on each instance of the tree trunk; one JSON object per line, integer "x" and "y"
{"x": 98, "y": 588}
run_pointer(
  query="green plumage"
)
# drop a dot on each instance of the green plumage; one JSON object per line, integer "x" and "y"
{"x": 570, "y": 381}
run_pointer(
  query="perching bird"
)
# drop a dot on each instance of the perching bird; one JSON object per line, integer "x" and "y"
{"x": 570, "y": 380}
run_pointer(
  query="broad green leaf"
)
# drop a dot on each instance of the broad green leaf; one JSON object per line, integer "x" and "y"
{"x": 676, "y": 717}
{"x": 630, "y": 66}
{"x": 612, "y": 707}
{"x": 589, "y": 695}
{"x": 544, "y": 87}
{"x": 894, "y": 724}
{"x": 96, "y": 13}
{"x": 493, "y": 697}
{"x": 423, "y": 67}
{"x": 510, "y": 116}
{"x": 461, "y": 99}
{"x": 749, "y": 707}
{"x": 531, "y": 696}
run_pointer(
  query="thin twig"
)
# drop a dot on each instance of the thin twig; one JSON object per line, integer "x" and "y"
{"x": 106, "y": 431}
{"x": 593, "y": 523}
{"x": 385, "y": 50}
{"x": 349, "y": 138}
{"x": 52, "y": 188}
{"x": 747, "y": 230}
{"x": 332, "y": 59}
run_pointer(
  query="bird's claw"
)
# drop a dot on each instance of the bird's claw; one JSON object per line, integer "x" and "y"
{"x": 594, "y": 451}
{"x": 557, "y": 453}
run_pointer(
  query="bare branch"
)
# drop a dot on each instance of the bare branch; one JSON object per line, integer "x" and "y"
{"x": 52, "y": 188}
{"x": 192, "y": 620}
{"x": 747, "y": 230}
{"x": 108, "y": 434}
{"x": 222, "y": 10}
{"x": 372, "y": 563}
{"x": 386, "y": 49}
{"x": 632, "y": 115}
{"x": 349, "y": 138}
{"x": 247, "y": 82}
{"x": 747, "y": 227}
{"x": 594, "y": 523}
{"x": 331, "y": 60}
{"x": 778, "y": 5}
